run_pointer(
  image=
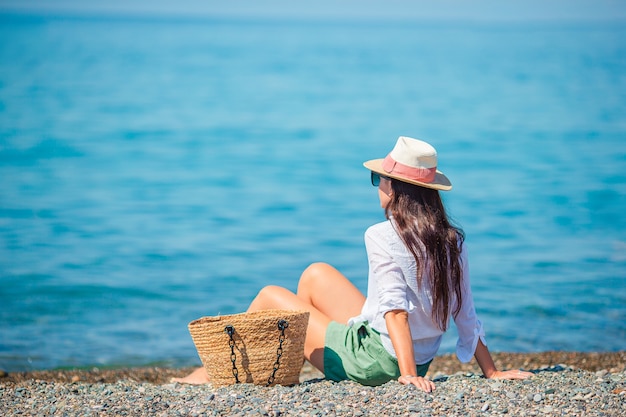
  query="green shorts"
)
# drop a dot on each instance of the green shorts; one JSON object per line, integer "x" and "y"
{"x": 357, "y": 353}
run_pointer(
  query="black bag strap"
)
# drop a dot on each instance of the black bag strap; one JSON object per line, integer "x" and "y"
{"x": 230, "y": 330}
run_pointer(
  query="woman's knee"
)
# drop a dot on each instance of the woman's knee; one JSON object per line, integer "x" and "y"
{"x": 316, "y": 268}
{"x": 315, "y": 275}
{"x": 314, "y": 271}
{"x": 270, "y": 292}
{"x": 270, "y": 296}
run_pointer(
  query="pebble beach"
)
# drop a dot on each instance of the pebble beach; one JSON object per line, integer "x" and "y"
{"x": 564, "y": 384}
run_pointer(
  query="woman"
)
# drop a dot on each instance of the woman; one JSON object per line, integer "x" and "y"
{"x": 418, "y": 280}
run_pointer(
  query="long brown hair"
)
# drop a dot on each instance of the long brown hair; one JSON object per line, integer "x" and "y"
{"x": 424, "y": 227}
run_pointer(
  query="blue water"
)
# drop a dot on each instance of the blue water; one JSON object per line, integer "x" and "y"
{"x": 153, "y": 171}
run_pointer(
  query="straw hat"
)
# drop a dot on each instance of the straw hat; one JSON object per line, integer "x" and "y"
{"x": 413, "y": 161}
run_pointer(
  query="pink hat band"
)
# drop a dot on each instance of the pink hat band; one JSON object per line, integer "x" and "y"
{"x": 420, "y": 174}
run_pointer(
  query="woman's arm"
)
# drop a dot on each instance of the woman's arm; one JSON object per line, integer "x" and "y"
{"x": 400, "y": 333}
{"x": 483, "y": 357}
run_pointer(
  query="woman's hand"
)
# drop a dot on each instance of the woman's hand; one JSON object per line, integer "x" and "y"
{"x": 512, "y": 374}
{"x": 421, "y": 383}
{"x": 483, "y": 357}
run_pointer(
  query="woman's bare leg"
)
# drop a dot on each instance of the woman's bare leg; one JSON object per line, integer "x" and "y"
{"x": 323, "y": 291}
{"x": 330, "y": 292}
{"x": 274, "y": 297}
{"x": 198, "y": 376}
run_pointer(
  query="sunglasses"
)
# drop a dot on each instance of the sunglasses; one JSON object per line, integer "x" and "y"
{"x": 376, "y": 179}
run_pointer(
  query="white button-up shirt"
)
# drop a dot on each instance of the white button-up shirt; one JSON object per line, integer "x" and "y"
{"x": 392, "y": 285}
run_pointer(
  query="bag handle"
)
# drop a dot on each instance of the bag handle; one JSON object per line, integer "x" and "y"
{"x": 230, "y": 330}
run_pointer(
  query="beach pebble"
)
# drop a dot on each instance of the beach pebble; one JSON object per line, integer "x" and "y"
{"x": 496, "y": 386}
{"x": 564, "y": 392}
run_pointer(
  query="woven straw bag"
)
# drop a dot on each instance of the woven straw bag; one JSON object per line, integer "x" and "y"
{"x": 262, "y": 347}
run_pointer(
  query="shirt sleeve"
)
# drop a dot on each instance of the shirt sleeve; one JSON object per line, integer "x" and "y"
{"x": 468, "y": 325}
{"x": 390, "y": 281}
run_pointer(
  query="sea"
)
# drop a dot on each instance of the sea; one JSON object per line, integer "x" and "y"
{"x": 154, "y": 170}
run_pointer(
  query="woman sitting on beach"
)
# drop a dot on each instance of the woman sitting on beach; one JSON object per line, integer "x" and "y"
{"x": 418, "y": 280}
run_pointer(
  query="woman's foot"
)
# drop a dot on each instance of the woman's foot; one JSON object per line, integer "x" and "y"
{"x": 197, "y": 377}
